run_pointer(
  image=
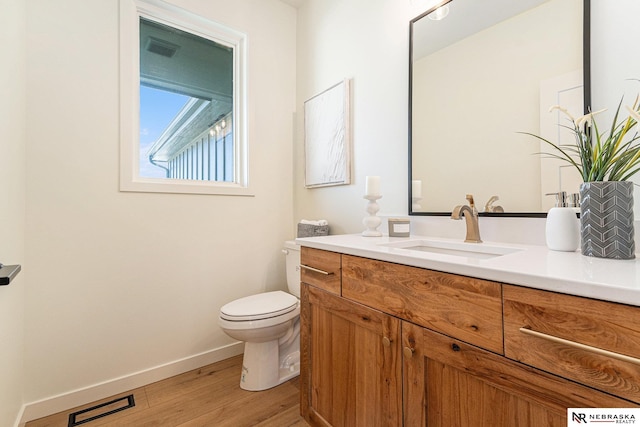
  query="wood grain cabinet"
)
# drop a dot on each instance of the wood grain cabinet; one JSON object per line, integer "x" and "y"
{"x": 393, "y": 345}
{"x": 352, "y": 363}
{"x": 321, "y": 269}
{"x": 449, "y": 383}
{"x": 463, "y": 307}
{"x": 596, "y": 343}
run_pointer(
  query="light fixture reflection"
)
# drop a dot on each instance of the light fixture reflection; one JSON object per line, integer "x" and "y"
{"x": 217, "y": 127}
{"x": 439, "y": 14}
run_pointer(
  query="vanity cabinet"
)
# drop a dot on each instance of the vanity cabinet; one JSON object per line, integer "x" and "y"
{"x": 396, "y": 345}
{"x": 352, "y": 370}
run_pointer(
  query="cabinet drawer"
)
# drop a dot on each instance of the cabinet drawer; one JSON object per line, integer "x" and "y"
{"x": 462, "y": 307}
{"x": 451, "y": 383}
{"x": 321, "y": 269}
{"x": 593, "y": 342}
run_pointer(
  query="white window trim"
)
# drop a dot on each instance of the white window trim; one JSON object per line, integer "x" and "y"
{"x": 130, "y": 13}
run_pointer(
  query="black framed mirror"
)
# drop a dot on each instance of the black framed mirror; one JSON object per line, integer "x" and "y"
{"x": 477, "y": 79}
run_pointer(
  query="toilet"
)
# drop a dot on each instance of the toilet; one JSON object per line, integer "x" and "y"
{"x": 269, "y": 324}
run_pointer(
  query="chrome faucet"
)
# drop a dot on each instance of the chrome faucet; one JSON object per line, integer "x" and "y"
{"x": 471, "y": 218}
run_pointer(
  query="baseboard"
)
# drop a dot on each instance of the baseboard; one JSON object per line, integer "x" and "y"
{"x": 42, "y": 408}
{"x": 20, "y": 418}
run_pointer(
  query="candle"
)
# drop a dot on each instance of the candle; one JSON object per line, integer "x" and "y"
{"x": 372, "y": 187}
{"x": 416, "y": 188}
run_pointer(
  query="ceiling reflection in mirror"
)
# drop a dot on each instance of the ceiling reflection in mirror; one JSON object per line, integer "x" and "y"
{"x": 479, "y": 78}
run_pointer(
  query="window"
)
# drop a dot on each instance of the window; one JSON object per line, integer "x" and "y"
{"x": 182, "y": 108}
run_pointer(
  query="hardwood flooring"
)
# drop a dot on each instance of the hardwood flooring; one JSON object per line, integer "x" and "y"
{"x": 209, "y": 396}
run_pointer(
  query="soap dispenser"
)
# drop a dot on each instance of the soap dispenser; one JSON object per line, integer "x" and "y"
{"x": 562, "y": 228}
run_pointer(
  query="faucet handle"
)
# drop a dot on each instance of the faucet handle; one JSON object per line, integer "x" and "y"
{"x": 488, "y": 207}
{"x": 472, "y": 204}
{"x": 470, "y": 200}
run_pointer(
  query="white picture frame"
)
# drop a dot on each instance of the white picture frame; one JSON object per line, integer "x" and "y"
{"x": 327, "y": 137}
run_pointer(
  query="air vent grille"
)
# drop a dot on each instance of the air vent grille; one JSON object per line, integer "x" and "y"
{"x": 161, "y": 47}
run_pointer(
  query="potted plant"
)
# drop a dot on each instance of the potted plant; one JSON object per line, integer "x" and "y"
{"x": 606, "y": 161}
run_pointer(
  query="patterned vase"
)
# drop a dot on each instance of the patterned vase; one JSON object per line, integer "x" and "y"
{"x": 606, "y": 219}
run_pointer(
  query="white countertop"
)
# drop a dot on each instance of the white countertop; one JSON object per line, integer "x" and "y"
{"x": 531, "y": 266}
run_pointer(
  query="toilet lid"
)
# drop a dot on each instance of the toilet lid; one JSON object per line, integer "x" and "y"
{"x": 260, "y": 306}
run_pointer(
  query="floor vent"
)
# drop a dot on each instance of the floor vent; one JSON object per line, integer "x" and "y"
{"x": 102, "y": 410}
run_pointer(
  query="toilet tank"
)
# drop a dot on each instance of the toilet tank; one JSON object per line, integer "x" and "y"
{"x": 292, "y": 256}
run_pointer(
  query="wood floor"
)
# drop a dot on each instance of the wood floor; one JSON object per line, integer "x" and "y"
{"x": 209, "y": 396}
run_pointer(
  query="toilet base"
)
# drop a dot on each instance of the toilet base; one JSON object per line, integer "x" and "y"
{"x": 268, "y": 364}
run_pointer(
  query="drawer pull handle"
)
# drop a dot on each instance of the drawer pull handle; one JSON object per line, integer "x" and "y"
{"x": 574, "y": 344}
{"x": 306, "y": 267}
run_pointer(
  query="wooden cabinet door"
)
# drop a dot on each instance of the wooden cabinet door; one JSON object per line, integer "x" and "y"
{"x": 351, "y": 363}
{"x": 449, "y": 383}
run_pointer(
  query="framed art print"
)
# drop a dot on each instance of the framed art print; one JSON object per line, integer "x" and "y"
{"x": 327, "y": 137}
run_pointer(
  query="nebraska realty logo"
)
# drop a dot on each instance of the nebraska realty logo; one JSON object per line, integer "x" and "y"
{"x": 602, "y": 416}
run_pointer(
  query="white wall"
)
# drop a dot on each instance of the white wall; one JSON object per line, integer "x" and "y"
{"x": 12, "y": 204}
{"x": 367, "y": 41}
{"x": 124, "y": 282}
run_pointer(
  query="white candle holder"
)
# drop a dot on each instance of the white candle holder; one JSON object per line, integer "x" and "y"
{"x": 372, "y": 222}
{"x": 415, "y": 204}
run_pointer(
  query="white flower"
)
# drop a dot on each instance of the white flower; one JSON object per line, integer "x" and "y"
{"x": 580, "y": 121}
{"x": 564, "y": 110}
{"x": 587, "y": 118}
{"x": 633, "y": 113}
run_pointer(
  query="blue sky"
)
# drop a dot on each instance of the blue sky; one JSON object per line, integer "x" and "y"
{"x": 157, "y": 109}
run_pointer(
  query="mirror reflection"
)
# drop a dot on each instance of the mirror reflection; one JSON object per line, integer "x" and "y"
{"x": 615, "y": 66}
{"x": 477, "y": 80}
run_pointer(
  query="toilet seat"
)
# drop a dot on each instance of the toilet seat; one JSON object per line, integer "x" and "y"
{"x": 260, "y": 306}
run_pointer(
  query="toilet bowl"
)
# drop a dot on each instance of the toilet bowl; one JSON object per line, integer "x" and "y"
{"x": 269, "y": 325}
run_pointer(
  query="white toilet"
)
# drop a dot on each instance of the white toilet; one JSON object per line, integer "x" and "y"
{"x": 269, "y": 324}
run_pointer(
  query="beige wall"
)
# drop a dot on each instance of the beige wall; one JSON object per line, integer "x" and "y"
{"x": 488, "y": 117}
{"x": 12, "y": 205}
{"x": 124, "y": 282}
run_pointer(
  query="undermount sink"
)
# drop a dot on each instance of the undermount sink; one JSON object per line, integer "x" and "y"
{"x": 460, "y": 249}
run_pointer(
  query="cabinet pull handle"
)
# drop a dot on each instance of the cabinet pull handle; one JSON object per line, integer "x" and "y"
{"x": 306, "y": 267}
{"x": 408, "y": 352}
{"x": 574, "y": 344}
{"x": 386, "y": 341}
